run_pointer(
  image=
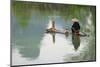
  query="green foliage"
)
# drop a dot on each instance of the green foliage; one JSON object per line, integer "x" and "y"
{"x": 24, "y": 10}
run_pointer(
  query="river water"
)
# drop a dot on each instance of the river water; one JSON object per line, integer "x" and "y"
{"x": 31, "y": 45}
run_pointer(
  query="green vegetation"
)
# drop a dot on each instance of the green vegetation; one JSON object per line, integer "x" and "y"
{"x": 24, "y": 10}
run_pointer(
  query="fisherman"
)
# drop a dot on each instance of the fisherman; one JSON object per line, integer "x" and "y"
{"x": 75, "y": 27}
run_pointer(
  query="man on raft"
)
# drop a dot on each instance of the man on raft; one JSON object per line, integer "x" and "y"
{"x": 75, "y": 27}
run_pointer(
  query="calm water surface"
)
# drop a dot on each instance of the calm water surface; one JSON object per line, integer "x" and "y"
{"x": 31, "y": 45}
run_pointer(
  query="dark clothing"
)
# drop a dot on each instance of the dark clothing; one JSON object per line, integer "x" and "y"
{"x": 75, "y": 27}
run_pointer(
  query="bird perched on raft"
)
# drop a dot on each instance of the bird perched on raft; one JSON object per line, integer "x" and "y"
{"x": 52, "y": 29}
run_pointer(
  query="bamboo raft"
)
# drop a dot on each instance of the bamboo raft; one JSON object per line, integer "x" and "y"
{"x": 66, "y": 32}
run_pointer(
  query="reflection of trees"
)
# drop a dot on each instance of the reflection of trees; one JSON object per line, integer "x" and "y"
{"x": 23, "y": 12}
{"x": 28, "y": 48}
{"x": 30, "y": 52}
{"x": 28, "y": 43}
{"x": 76, "y": 41}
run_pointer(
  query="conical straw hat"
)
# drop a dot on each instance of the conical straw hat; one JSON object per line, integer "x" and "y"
{"x": 75, "y": 20}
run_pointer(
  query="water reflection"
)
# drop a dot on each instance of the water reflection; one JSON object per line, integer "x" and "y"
{"x": 76, "y": 40}
{"x": 53, "y": 37}
{"x": 55, "y": 52}
{"x": 30, "y": 52}
{"x": 31, "y": 45}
